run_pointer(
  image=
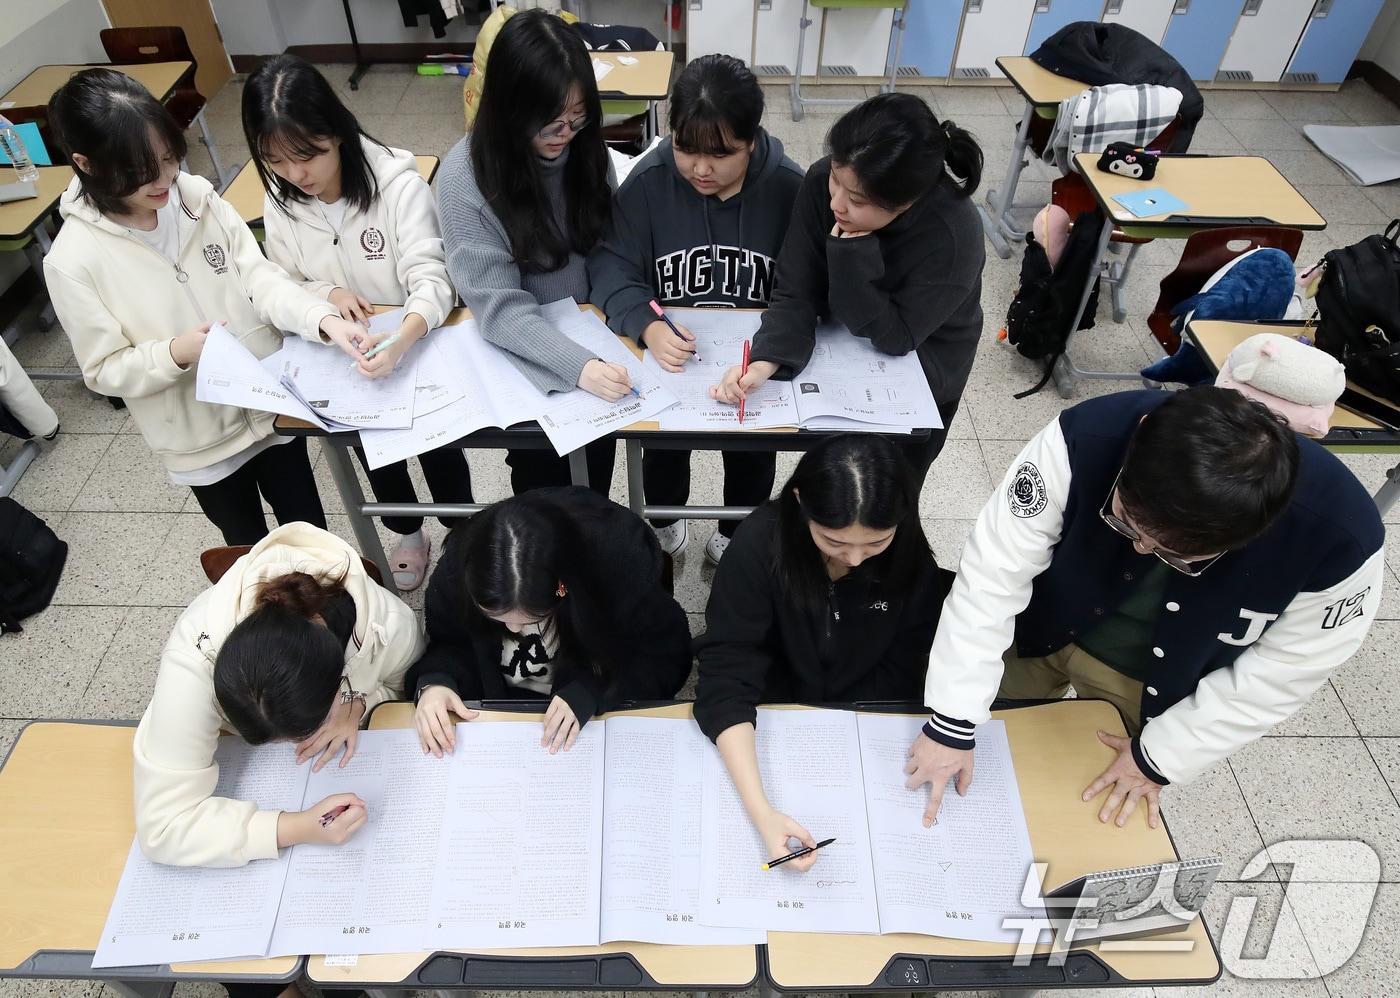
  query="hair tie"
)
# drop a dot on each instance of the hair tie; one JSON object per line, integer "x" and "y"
{"x": 948, "y": 127}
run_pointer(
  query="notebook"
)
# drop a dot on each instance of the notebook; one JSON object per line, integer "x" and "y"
{"x": 1153, "y": 201}
{"x": 1142, "y": 899}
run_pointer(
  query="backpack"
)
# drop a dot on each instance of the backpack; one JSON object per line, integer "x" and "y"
{"x": 1358, "y": 305}
{"x": 1037, "y": 323}
{"x": 31, "y": 562}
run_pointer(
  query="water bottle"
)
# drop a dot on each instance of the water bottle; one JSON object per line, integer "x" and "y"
{"x": 14, "y": 148}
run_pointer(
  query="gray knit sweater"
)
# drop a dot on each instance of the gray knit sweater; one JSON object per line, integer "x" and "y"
{"x": 505, "y": 301}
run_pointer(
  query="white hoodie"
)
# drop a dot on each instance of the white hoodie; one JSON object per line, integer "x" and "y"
{"x": 177, "y": 821}
{"x": 390, "y": 253}
{"x": 121, "y": 303}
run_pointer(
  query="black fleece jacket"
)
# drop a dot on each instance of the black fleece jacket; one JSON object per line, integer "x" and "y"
{"x": 464, "y": 651}
{"x": 915, "y": 285}
{"x": 872, "y": 643}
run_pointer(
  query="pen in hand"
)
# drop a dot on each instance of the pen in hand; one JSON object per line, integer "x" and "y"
{"x": 333, "y": 813}
{"x": 656, "y": 307}
{"x": 796, "y": 855}
{"x": 376, "y": 350}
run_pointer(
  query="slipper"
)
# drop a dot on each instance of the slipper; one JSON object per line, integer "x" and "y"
{"x": 409, "y": 561}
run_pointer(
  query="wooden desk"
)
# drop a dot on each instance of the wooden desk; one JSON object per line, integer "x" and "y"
{"x": 41, "y": 84}
{"x": 66, "y": 825}
{"x": 1351, "y": 433}
{"x": 1039, "y": 86}
{"x": 245, "y": 191}
{"x": 649, "y": 78}
{"x": 20, "y": 219}
{"x": 612, "y": 965}
{"x": 1056, "y": 756}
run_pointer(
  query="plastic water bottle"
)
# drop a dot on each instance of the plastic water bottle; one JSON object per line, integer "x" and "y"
{"x": 14, "y": 148}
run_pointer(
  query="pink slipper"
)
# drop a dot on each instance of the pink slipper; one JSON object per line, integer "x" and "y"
{"x": 409, "y": 560}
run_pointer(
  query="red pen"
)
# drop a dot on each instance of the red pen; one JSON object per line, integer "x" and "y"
{"x": 743, "y": 371}
{"x": 333, "y": 813}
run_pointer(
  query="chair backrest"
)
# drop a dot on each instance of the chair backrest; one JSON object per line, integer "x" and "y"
{"x": 151, "y": 44}
{"x": 217, "y": 561}
{"x": 1204, "y": 254}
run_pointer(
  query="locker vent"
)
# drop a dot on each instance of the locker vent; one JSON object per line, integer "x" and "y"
{"x": 909, "y": 71}
{"x": 1299, "y": 77}
{"x": 1234, "y": 76}
{"x": 972, "y": 73}
{"x": 838, "y": 71}
{"x": 772, "y": 69}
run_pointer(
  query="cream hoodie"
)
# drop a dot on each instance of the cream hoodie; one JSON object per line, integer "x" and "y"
{"x": 121, "y": 303}
{"x": 389, "y": 254}
{"x": 177, "y": 821}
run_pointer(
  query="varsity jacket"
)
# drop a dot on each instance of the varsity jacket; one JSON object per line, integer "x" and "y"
{"x": 1235, "y": 651}
{"x": 389, "y": 253}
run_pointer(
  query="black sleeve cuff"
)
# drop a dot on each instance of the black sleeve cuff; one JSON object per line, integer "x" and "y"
{"x": 581, "y": 700}
{"x": 1145, "y": 764}
{"x": 435, "y": 679}
{"x": 951, "y": 731}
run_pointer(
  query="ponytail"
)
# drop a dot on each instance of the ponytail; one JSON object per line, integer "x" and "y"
{"x": 963, "y": 158}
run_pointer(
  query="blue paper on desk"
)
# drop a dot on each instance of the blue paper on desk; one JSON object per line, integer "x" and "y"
{"x": 33, "y": 144}
{"x": 1153, "y": 201}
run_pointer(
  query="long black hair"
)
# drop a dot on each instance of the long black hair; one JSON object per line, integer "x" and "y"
{"x": 517, "y": 553}
{"x": 289, "y": 106}
{"x": 850, "y": 479}
{"x": 535, "y": 60}
{"x": 109, "y": 117}
{"x": 900, "y": 151}
{"x": 277, "y": 673}
{"x": 713, "y": 95}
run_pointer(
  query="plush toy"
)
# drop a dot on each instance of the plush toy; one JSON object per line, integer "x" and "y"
{"x": 1051, "y": 229}
{"x": 1299, "y": 382}
{"x": 1128, "y": 160}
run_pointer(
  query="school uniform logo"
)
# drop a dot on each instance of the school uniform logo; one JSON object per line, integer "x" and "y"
{"x": 1026, "y": 493}
{"x": 214, "y": 256}
{"x": 372, "y": 242}
{"x": 1344, "y": 610}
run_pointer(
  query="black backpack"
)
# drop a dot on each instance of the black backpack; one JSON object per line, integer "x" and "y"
{"x": 31, "y": 562}
{"x": 1358, "y": 305}
{"x": 1037, "y": 323}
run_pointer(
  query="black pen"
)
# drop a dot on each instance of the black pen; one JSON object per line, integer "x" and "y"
{"x": 660, "y": 314}
{"x": 796, "y": 855}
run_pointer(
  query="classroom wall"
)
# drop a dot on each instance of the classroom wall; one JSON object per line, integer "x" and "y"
{"x": 1383, "y": 43}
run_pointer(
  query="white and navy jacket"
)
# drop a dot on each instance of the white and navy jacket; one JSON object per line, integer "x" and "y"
{"x": 1236, "y": 650}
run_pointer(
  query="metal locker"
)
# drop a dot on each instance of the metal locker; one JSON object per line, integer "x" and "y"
{"x": 1147, "y": 17}
{"x": 775, "y": 39}
{"x": 991, "y": 28}
{"x": 719, "y": 26}
{"x": 1199, "y": 32}
{"x": 1335, "y": 33}
{"x": 1264, "y": 40}
{"x": 930, "y": 36}
{"x": 1052, "y": 15}
{"x": 857, "y": 41}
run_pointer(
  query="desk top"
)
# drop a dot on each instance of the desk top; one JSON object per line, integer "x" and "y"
{"x": 1038, "y": 85}
{"x": 41, "y": 84}
{"x": 245, "y": 191}
{"x": 649, "y": 78}
{"x": 1063, "y": 831}
{"x": 1218, "y": 191}
{"x": 669, "y": 966}
{"x": 66, "y": 825}
{"x": 18, "y": 218}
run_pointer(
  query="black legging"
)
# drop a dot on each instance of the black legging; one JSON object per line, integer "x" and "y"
{"x": 281, "y": 474}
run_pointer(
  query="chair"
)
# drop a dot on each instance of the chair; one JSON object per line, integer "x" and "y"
{"x": 804, "y": 22}
{"x": 1204, "y": 254}
{"x": 166, "y": 44}
{"x": 217, "y": 561}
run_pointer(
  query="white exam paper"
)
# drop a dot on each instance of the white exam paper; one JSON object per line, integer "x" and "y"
{"x": 329, "y": 381}
{"x": 229, "y": 374}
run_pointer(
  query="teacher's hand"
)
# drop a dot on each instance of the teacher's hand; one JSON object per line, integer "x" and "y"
{"x": 1129, "y": 786}
{"x": 935, "y": 764}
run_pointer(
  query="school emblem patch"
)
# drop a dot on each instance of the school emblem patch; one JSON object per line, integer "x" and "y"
{"x": 1026, "y": 494}
{"x": 215, "y": 257}
{"x": 372, "y": 242}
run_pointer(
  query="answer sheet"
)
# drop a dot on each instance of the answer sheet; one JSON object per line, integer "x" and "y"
{"x": 229, "y": 374}
{"x": 810, "y": 763}
{"x": 180, "y": 914}
{"x": 520, "y": 851}
{"x": 328, "y": 380}
{"x": 651, "y": 836}
{"x": 964, "y": 875}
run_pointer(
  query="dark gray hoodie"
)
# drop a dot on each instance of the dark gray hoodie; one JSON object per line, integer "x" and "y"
{"x": 668, "y": 241}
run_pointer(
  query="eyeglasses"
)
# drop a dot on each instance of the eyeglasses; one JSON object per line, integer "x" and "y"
{"x": 556, "y": 128}
{"x": 1171, "y": 559}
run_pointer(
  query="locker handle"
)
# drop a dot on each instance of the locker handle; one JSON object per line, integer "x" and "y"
{"x": 1181, "y": 7}
{"x": 1251, "y": 8}
{"x": 1042, "y": 6}
{"x": 1113, "y": 7}
{"x": 1322, "y": 9}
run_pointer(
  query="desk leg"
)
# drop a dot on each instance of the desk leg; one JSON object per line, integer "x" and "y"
{"x": 347, "y": 483}
{"x": 578, "y": 466}
{"x": 1389, "y": 490}
{"x": 142, "y": 989}
{"x": 997, "y": 224}
{"x": 636, "y": 496}
{"x": 1066, "y": 374}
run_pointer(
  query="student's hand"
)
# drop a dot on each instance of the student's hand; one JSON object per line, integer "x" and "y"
{"x": 352, "y": 306}
{"x": 607, "y": 381}
{"x": 347, "y": 335}
{"x": 935, "y": 764}
{"x": 186, "y": 348}
{"x": 841, "y": 233}
{"x": 734, "y": 387}
{"x": 779, "y": 832}
{"x": 1129, "y": 786}
{"x": 561, "y": 727}
{"x": 670, "y": 350}
{"x": 328, "y": 822}
{"x": 433, "y": 717}
{"x": 340, "y": 729}
{"x": 382, "y": 364}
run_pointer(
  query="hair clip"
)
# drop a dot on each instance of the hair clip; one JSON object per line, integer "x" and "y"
{"x": 561, "y": 591}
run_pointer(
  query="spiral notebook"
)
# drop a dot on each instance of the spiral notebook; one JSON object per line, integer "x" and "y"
{"x": 1141, "y": 899}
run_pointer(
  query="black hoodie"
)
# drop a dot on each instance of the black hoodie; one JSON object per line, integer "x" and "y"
{"x": 872, "y": 644}
{"x": 664, "y": 238}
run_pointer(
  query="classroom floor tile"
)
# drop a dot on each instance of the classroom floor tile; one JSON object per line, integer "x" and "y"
{"x": 1209, "y": 817}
